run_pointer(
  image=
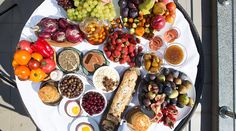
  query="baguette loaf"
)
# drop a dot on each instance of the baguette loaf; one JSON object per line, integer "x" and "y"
{"x": 122, "y": 97}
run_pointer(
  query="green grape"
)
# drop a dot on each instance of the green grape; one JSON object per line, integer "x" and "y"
{"x": 76, "y": 3}
{"x": 89, "y": 9}
{"x": 86, "y": 5}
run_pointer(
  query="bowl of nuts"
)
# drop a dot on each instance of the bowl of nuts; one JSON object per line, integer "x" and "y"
{"x": 93, "y": 103}
{"x": 71, "y": 86}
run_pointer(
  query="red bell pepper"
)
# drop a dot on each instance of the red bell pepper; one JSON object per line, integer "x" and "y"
{"x": 41, "y": 46}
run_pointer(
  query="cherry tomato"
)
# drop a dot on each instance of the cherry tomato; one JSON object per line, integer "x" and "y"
{"x": 33, "y": 64}
{"x": 171, "y": 6}
{"x": 22, "y": 57}
{"x": 22, "y": 72}
{"x": 37, "y": 56}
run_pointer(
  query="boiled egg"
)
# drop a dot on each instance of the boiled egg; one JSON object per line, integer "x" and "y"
{"x": 84, "y": 127}
{"x": 72, "y": 108}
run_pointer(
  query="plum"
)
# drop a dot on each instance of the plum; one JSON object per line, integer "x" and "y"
{"x": 133, "y": 13}
{"x": 158, "y": 22}
{"x": 125, "y": 12}
{"x": 122, "y": 3}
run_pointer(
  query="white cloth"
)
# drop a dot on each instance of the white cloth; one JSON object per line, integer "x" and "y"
{"x": 48, "y": 118}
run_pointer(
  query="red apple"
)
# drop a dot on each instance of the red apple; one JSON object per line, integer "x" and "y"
{"x": 158, "y": 22}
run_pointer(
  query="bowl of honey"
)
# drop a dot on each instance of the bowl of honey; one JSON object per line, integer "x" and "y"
{"x": 175, "y": 54}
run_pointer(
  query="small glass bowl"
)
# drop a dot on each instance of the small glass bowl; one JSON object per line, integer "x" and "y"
{"x": 143, "y": 65}
{"x": 184, "y": 53}
{"x": 105, "y": 101}
{"x": 173, "y": 39}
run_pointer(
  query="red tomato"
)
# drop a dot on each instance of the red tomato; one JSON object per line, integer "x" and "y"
{"x": 171, "y": 6}
{"x": 25, "y": 45}
{"x": 48, "y": 65}
{"x": 33, "y": 64}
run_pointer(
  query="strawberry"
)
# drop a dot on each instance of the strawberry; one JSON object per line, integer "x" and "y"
{"x": 128, "y": 59}
{"x": 117, "y": 53}
{"x": 116, "y": 59}
{"x": 131, "y": 64}
{"x": 118, "y": 41}
{"x": 119, "y": 48}
{"x": 112, "y": 48}
{"x": 108, "y": 53}
{"x": 131, "y": 49}
{"x": 113, "y": 42}
{"x": 105, "y": 48}
{"x": 140, "y": 49}
{"x": 111, "y": 58}
{"x": 132, "y": 41}
{"x": 115, "y": 35}
{"x": 122, "y": 61}
{"x": 126, "y": 43}
{"x": 124, "y": 40}
{"x": 132, "y": 55}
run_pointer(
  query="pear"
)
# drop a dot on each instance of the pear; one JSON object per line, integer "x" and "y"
{"x": 159, "y": 8}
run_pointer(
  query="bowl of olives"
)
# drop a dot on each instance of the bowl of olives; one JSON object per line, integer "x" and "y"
{"x": 151, "y": 63}
{"x": 169, "y": 87}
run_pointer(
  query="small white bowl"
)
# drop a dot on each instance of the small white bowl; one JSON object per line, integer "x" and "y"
{"x": 78, "y": 76}
{"x": 98, "y": 71}
{"x": 105, "y": 100}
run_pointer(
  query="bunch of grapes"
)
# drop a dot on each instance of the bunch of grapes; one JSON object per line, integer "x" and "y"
{"x": 94, "y": 8}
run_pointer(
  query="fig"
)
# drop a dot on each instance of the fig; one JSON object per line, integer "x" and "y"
{"x": 166, "y": 71}
{"x": 151, "y": 95}
{"x": 161, "y": 78}
{"x": 182, "y": 89}
{"x": 170, "y": 78}
{"x": 175, "y": 74}
{"x": 191, "y": 102}
{"x": 178, "y": 81}
{"x": 174, "y": 94}
{"x": 168, "y": 90}
{"x": 183, "y": 99}
{"x": 147, "y": 102}
{"x": 187, "y": 84}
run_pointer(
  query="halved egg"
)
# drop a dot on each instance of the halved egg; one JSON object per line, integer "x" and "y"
{"x": 72, "y": 108}
{"x": 84, "y": 127}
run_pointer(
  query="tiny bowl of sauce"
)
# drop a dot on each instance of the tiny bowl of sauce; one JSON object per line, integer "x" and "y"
{"x": 175, "y": 54}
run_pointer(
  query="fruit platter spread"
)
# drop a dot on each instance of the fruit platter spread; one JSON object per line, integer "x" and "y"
{"x": 97, "y": 63}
